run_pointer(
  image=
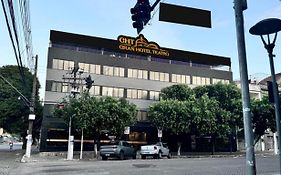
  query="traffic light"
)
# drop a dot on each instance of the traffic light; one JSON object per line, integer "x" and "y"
{"x": 89, "y": 82}
{"x": 141, "y": 14}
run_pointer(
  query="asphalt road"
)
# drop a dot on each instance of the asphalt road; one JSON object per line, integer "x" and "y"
{"x": 9, "y": 158}
{"x": 38, "y": 165}
{"x": 9, "y": 164}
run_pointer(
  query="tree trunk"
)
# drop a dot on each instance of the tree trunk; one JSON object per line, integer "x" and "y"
{"x": 179, "y": 148}
{"x": 213, "y": 145}
{"x": 82, "y": 141}
{"x": 96, "y": 150}
{"x": 230, "y": 143}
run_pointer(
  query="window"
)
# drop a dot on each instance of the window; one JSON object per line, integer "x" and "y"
{"x": 176, "y": 78}
{"x": 159, "y": 76}
{"x": 113, "y": 71}
{"x": 68, "y": 65}
{"x": 132, "y": 93}
{"x": 137, "y": 94}
{"x": 95, "y": 90}
{"x": 136, "y": 73}
{"x": 141, "y": 115}
{"x": 216, "y": 80}
{"x": 56, "y": 87}
{"x": 200, "y": 80}
{"x": 154, "y": 95}
{"x": 95, "y": 69}
{"x": 65, "y": 87}
{"x": 62, "y": 64}
{"x": 85, "y": 67}
{"x": 113, "y": 92}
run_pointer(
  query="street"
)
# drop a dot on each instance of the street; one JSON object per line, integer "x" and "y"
{"x": 10, "y": 164}
{"x": 9, "y": 158}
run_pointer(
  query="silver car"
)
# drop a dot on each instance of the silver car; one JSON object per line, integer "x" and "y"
{"x": 120, "y": 149}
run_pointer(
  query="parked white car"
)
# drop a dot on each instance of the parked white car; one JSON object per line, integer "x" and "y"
{"x": 157, "y": 150}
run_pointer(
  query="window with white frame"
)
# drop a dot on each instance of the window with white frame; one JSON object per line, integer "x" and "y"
{"x": 200, "y": 80}
{"x": 154, "y": 95}
{"x": 65, "y": 87}
{"x": 95, "y": 90}
{"x": 63, "y": 64}
{"x": 136, "y": 73}
{"x": 84, "y": 67}
{"x": 113, "y": 91}
{"x": 113, "y": 71}
{"x": 94, "y": 69}
{"x": 159, "y": 76}
{"x": 177, "y": 78}
{"x": 137, "y": 94}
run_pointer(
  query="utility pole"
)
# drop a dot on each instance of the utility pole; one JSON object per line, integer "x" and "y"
{"x": 239, "y": 7}
{"x": 31, "y": 116}
{"x": 74, "y": 90}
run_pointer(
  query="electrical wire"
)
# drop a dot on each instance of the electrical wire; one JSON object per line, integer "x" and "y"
{"x": 13, "y": 44}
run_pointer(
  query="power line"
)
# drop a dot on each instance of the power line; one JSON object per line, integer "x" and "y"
{"x": 26, "y": 25}
{"x": 13, "y": 44}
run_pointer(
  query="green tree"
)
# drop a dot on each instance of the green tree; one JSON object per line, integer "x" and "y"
{"x": 13, "y": 111}
{"x": 172, "y": 115}
{"x": 96, "y": 115}
{"x": 114, "y": 115}
{"x": 210, "y": 119}
{"x": 179, "y": 92}
{"x": 263, "y": 117}
{"x": 228, "y": 97}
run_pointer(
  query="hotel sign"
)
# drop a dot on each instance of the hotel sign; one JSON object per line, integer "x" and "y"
{"x": 141, "y": 45}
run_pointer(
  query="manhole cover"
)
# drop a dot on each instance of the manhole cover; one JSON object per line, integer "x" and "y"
{"x": 143, "y": 165}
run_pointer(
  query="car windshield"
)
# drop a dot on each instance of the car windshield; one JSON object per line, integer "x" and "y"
{"x": 113, "y": 143}
{"x": 158, "y": 144}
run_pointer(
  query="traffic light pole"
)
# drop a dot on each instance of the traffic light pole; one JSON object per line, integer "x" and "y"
{"x": 239, "y": 6}
{"x": 154, "y": 5}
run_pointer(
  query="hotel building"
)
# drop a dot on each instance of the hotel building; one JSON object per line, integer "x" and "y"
{"x": 133, "y": 68}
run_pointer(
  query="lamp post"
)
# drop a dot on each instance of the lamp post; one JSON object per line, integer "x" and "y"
{"x": 267, "y": 27}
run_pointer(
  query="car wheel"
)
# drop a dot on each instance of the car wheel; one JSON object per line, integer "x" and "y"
{"x": 121, "y": 155}
{"x": 169, "y": 155}
{"x": 134, "y": 156}
{"x": 104, "y": 158}
{"x": 143, "y": 157}
{"x": 159, "y": 155}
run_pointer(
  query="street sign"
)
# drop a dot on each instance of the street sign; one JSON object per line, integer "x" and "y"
{"x": 127, "y": 130}
{"x": 159, "y": 133}
{"x": 184, "y": 15}
{"x": 31, "y": 117}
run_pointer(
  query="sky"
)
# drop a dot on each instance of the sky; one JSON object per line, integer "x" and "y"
{"x": 111, "y": 18}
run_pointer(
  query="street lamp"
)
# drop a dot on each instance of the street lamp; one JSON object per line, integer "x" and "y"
{"x": 267, "y": 27}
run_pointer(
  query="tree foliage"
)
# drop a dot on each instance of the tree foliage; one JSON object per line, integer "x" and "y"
{"x": 228, "y": 97}
{"x": 263, "y": 117}
{"x": 210, "y": 119}
{"x": 179, "y": 92}
{"x": 13, "y": 110}
{"x": 171, "y": 115}
{"x": 98, "y": 114}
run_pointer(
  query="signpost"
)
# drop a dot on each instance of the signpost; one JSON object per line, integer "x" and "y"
{"x": 184, "y": 15}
